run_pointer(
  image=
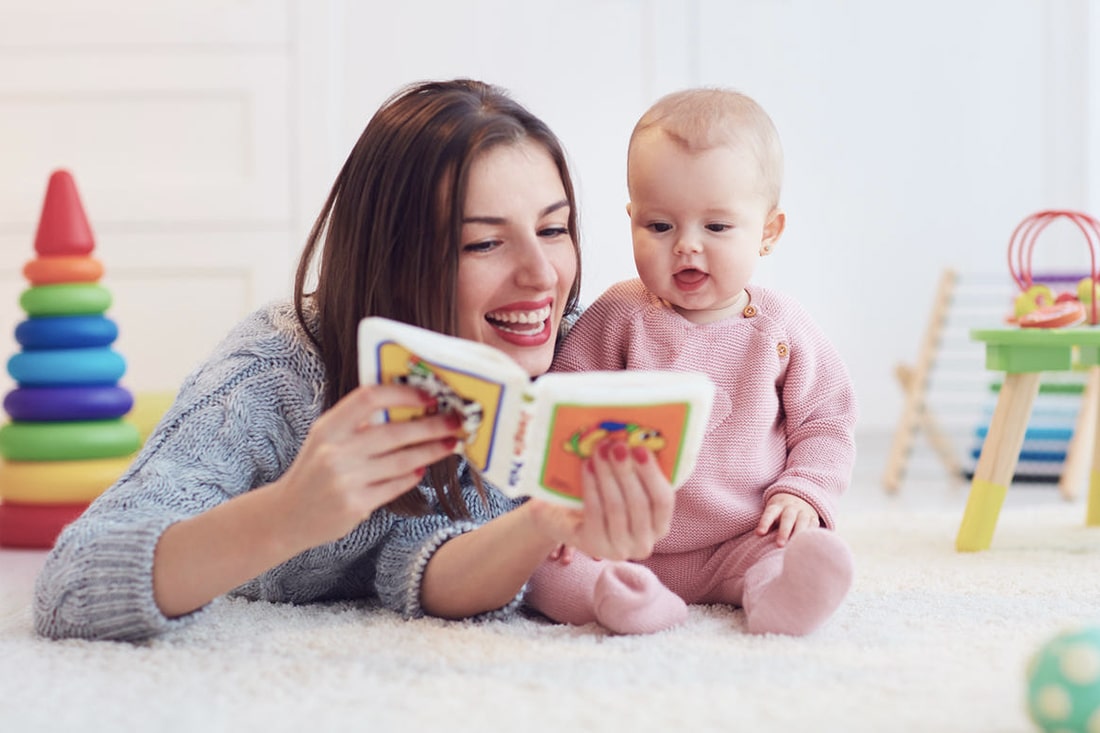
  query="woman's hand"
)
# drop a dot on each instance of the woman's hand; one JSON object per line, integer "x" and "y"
{"x": 350, "y": 465}
{"x": 627, "y": 506}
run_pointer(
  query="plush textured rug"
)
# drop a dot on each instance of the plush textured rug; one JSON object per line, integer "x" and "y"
{"x": 928, "y": 640}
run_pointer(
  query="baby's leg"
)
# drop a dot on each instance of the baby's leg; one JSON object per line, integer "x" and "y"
{"x": 623, "y": 597}
{"x": 795, "y": 589}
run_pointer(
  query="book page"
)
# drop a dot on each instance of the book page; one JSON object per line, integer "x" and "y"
{"x": 464, "y": 377}
{"x": 661, "y": 411}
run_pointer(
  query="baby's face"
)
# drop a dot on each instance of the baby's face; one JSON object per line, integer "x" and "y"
{"x": 699, "y": 221}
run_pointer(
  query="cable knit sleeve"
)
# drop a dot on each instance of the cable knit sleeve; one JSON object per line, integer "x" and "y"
{"x": 819, "y": 408}
{"x": 237, "y": 423}
{"x": 411, "y": 542}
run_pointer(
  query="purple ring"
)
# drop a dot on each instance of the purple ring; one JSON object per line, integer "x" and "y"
{"x": 61, "y": 403}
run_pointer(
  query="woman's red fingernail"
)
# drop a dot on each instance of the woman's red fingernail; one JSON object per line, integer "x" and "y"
{"x": 619, "y": 451}
{"x": 589, "y": 467}
{"x": 450, "y": 443}
{"x": 419, "y": 472}
{"x": 604, "y": 450}
{"x": 427, "y": 399}
{"x": 641, "y": 455}
{"x": 454, "y": 422}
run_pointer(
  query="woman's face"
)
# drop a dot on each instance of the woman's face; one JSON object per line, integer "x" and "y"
{"x": 517, "y": 259}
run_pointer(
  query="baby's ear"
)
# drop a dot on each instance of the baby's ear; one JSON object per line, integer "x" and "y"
{"x": 773, "y": 230}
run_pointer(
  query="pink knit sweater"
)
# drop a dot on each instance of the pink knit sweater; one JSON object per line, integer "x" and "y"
{"x": 784, "y": 409}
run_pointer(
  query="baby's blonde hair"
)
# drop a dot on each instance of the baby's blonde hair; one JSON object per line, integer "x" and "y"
{"x": 704, "y": 118}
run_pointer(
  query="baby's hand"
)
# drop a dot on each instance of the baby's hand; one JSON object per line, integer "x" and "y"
{"x": 790, "y": 513}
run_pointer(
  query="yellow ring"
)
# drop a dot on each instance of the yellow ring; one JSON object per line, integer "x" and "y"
{"x": 58, "y": 482}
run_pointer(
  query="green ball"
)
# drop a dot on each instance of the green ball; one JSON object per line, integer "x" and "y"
{"x": 1063, "y": 691}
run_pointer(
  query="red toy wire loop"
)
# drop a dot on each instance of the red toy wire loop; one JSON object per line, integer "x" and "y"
{"x": 1021, "y": 247}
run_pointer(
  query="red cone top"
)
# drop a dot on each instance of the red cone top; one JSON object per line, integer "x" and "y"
{"x": 63, "y": 228}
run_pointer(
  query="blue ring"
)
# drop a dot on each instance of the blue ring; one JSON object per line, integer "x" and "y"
{"x": 73, "y": 367}
{"x": 58, "y": 404}
{"x": 66, "y": 332}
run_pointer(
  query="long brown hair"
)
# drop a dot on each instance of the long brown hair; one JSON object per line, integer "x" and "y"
{"x": 391, "y": 228}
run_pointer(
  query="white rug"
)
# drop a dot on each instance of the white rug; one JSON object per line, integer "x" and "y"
{"x": 929, "y": 640}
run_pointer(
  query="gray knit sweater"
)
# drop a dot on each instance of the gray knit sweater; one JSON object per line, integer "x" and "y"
{"x": 237, "y": 423}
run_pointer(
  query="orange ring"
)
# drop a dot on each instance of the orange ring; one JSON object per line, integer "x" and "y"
{"x": 64, "y": 269}
{"x": 1057, "y": 315}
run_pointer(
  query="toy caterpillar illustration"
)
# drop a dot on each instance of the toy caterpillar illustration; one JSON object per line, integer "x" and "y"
{"x": 423, "y": 378}
{"x": 584, "y": 440}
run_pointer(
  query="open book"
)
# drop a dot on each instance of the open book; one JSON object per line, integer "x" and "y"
{"x": 529, "y": 438}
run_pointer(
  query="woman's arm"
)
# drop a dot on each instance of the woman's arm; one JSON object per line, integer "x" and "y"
{"x": 347, "y": 468}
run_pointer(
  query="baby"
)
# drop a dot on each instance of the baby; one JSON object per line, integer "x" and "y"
{"x": 753, "y": 524}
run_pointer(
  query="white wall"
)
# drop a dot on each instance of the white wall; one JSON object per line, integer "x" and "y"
{"x": 173, "y": 119}
{"x": 917, "y": 135}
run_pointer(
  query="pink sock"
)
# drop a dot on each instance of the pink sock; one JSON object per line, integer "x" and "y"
{"x": 795, "y": 590}
{"x": 630, "y": 599}
{"x": 623, "y": 597}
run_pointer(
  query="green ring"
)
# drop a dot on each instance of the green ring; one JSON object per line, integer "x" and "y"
{"x": 75, "y": 440}
{"x": 71, "y": 299}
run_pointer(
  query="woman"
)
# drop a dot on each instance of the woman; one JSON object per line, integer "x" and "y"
{"x": 268, "y": 477}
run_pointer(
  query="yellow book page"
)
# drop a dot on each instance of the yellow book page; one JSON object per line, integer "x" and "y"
{"x": 475, "y": 398}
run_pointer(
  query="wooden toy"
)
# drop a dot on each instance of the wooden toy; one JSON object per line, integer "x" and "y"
{"x": 1023, "y": 354}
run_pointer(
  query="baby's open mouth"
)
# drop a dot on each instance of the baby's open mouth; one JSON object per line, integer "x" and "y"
{"x": 690, "y": 276}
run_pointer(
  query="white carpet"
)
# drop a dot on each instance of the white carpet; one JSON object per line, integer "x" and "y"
{"x": 929, "y": 640}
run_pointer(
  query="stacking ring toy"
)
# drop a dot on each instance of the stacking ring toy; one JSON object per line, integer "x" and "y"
{"x": 68, "y": 441}
{"x": 66, "y": 332}
{"x": 57, "y": 270}
{"x": 74, "y": 299}
{"x": 58, "y": 482}
{"x": 32, "y": 526}
{"x": 95, "y": 402}
{"x": 66, "y": 366}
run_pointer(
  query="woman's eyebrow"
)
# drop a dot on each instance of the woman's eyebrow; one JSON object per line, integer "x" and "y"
{"x": 497, "y": 220}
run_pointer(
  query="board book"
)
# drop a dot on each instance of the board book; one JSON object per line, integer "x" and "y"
{"x": 529, "y": 437}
